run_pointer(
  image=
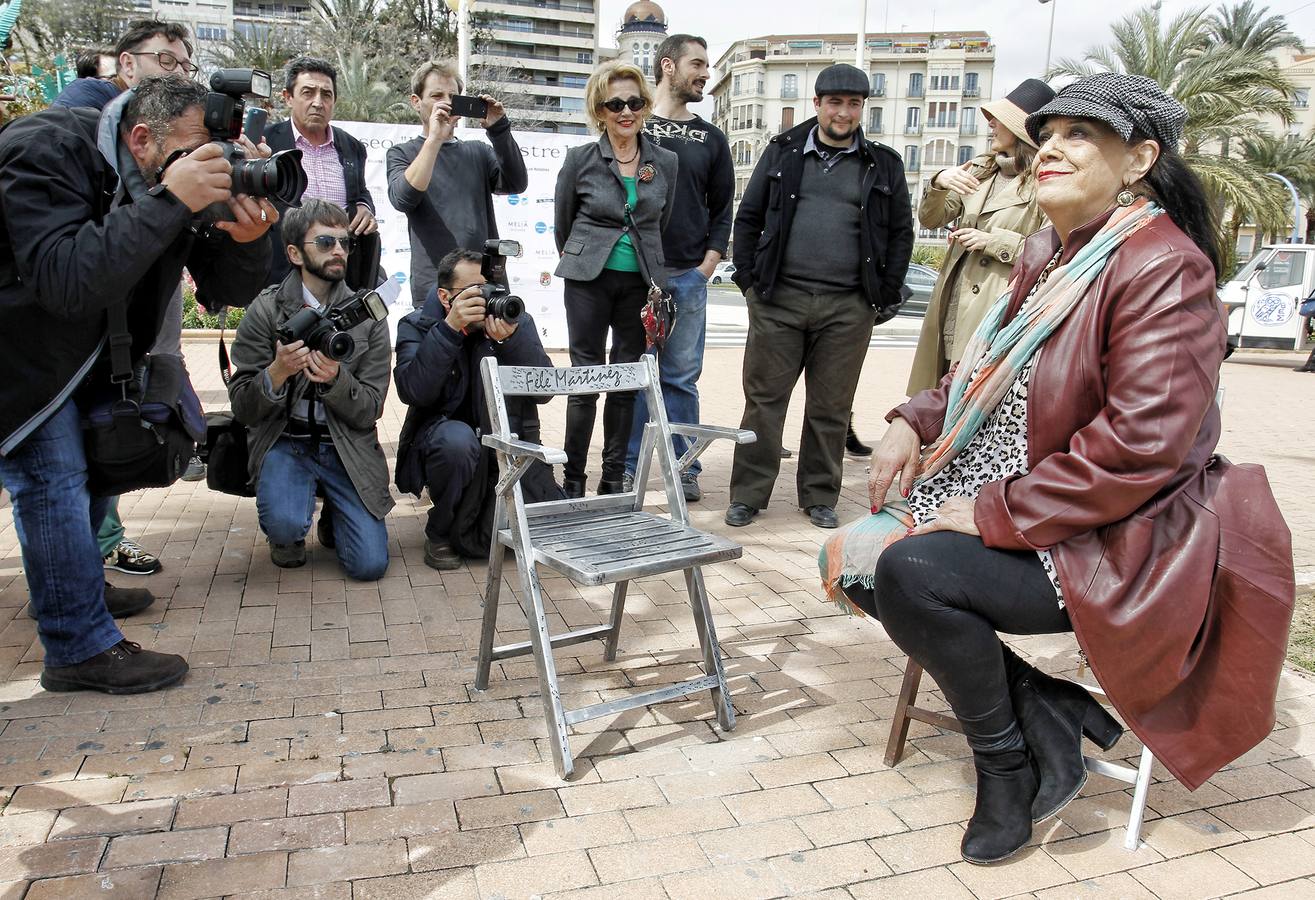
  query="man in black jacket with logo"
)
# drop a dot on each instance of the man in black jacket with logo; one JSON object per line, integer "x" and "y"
{"x": 78, "y": 236}
{"x": 439, "y": 350}
{"x": 822, "y": 240}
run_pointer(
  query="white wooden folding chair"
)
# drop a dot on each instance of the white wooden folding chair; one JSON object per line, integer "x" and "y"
{"x": 607, "y": 539}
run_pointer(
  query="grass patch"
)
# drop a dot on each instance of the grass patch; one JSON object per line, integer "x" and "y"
{"x": 1301, "y": 644}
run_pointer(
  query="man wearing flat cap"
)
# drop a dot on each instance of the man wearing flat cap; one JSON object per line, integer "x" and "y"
{"x": 822, "y": 241}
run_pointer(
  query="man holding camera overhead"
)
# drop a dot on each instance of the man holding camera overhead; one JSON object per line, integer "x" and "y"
{"x": 312, "y": 375}
{"x": 77, "y": 237}
{"x": 445, "y": 185}
{"x": 439, "y": 350}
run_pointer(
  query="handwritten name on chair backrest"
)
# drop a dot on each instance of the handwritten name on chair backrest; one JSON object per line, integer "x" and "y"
{"x": 518, "y": 380}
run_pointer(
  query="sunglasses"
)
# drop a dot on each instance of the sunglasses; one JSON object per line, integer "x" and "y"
{"x": 325, "y": 242}
{"x": 616, "y": 104}
{"x": 168, "y": 61}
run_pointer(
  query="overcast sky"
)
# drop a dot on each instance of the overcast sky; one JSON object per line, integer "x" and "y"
{"x": 1018, "y": 27}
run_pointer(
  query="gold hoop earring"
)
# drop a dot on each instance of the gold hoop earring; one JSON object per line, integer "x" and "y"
{"x": 1125, "y": 198}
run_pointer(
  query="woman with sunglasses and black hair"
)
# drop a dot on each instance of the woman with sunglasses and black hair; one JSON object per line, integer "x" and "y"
{"x": 613, "y": 200}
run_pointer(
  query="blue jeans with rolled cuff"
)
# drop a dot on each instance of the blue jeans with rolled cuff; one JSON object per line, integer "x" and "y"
{"x": 285, "y": 505}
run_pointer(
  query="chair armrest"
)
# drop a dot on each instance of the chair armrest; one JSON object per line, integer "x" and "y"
{"x": 713, "y": 432}
{"x": 549, "y": 455}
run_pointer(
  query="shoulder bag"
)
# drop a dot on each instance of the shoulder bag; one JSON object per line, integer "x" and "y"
{"x": 659, "y": 312}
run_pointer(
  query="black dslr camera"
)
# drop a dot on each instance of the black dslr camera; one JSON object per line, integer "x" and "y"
{"x": 499, "y": 302}
{"x": 326, "y": 330}
{"x": 280, "y": 177}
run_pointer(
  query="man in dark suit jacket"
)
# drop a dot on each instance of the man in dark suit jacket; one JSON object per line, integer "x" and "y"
{"x": 333, "y": 160}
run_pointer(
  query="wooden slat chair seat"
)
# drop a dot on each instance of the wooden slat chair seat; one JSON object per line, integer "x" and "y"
{"x": 608, "y": 539}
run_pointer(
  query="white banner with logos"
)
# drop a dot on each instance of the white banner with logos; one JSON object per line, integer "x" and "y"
{"x": 526, "y": 217}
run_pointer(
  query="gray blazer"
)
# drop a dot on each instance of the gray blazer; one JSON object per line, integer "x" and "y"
{"x": 590, "y": 204}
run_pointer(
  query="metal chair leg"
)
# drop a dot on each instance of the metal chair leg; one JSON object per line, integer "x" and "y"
{"x": 490, "y": 624}
{"x": 721, "y": 695}
{"x": 1141, "y": 789}
{"x": 618, "y": 609}
{"x": 553, "y": 713}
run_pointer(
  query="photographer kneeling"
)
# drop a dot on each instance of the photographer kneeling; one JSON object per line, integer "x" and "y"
{"x": 439, "y": 349}
{"x": 77, "y": 240}
{"x": 312, "y": 375}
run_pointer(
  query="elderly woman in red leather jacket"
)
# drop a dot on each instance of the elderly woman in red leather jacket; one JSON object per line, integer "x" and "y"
{"x": 1063, "y": 477}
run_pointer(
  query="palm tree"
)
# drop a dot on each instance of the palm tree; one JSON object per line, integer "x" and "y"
{"x": 1228, "y": 91}
{"x": 1290, "y": 157}
{"x": 1247, "y": 27}
{"x": 263, "y": 48}
{"x": 363, "y": 95}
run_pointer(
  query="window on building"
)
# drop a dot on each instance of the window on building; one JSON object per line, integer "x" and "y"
{"x": 915, "y": 84}
{"x": 211, "y": 33}
{"x": 735, "y": 85}
{"x": 911, "y": 158}
{"x": 1301, "y": 98}
{"x": 790, "y": 86}
{"x": 878, "y": 84}
{"x": 970, "y": 88}
{"x": 874, "y": 120}
{"x": 913, "y": 117}
{"x": 968, "y": 121}
{"x": 965, "y": 153}
{"x": 585, "y": 56}
{"x": 762, "y": 84}
{"x": 787, "y": 118}
{"x": 954, "y": 82}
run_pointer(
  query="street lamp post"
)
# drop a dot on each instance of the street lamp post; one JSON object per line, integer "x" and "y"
{"x": 462, "y": 9}
{"x": 1295, "y": 238}
{"x": 1050, "y": 39}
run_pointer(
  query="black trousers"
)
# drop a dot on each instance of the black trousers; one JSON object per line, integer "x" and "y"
{"x": 825, "y": 338}
{"x": 943, "y": 596}
{"x": 449, "y": 452}
{"x": 612, "y": 301}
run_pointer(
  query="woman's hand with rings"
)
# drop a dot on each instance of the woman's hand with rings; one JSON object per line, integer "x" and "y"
{"x": 955, "y": 514}
{"x": 897, "y": 456}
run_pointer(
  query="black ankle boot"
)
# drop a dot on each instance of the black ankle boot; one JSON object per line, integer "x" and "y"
{"x": 1006, "y": 785}
{"x": 611, "y": 486}
{"x": 573, "y": 489}
{"x": 1054, "y": 714}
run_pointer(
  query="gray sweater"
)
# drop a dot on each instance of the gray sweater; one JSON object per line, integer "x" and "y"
{"x": 457, "y": 209}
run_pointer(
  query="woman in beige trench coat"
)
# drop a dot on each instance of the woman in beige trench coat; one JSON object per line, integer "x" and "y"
{"x": 994, "y": 200}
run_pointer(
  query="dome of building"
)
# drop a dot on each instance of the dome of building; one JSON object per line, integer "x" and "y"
{"x": 643, "y": 16}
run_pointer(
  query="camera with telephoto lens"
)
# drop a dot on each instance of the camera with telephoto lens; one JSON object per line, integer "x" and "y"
{"x": 499, "y": 302}
{"x": 278, "y": 177}
{"x": 327, "y": 330}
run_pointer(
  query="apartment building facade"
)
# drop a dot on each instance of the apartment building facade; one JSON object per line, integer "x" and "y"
{"x": 927, "y": 91}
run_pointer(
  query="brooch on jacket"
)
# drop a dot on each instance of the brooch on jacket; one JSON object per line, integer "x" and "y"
{"x": 647, "y": 172}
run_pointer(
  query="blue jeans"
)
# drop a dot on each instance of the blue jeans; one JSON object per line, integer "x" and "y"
{"x": 679, "y": 365}
{"x": 285, "y": 505}
{"x": 56, "y": 520}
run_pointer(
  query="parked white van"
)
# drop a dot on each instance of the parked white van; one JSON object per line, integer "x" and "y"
{"x": 1263, "y": 297}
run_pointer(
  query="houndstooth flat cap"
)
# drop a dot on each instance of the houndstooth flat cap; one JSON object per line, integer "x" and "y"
{"x": 1123, "y": 102}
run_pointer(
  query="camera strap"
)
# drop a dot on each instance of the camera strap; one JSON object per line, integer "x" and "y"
{"x": 633, "y": 231}
{"x": 120, "y": 341}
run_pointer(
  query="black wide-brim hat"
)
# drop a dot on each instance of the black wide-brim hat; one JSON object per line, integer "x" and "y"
{"x": 1126, "y": 103}
{"x": 1022, "y": 101}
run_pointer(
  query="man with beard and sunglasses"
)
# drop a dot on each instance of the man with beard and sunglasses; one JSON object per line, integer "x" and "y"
{"x": 695, "y": 239}
{"x": 823, "y": 238}
{"x": 311, "y": 419}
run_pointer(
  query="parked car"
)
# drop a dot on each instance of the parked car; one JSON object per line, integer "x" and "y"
{"x": 922, "y": 281}
{"x": 723, "y": 272}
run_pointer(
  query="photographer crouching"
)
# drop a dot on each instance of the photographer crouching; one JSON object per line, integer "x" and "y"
{"x": 439, "y": 350}
{"x": 77, "y": 241}
{"x": 312, "y": 363}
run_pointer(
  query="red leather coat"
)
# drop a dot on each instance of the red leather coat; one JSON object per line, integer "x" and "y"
{"x": 1176, "y": 565}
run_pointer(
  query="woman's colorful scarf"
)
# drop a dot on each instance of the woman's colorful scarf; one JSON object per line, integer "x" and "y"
{"x": 997, "y": 353}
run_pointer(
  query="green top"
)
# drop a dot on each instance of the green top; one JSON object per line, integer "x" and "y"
{"x": 623, "y": 257}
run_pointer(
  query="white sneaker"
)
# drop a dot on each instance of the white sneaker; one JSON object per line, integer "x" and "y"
{"x": 131, "y": 559}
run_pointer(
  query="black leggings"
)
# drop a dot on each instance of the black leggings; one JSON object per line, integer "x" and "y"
{"x": 943, "y": 596}
{"x": 612, "y": 301}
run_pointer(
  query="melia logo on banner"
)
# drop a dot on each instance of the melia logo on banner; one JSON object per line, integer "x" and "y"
{"x": 524, "y": 217}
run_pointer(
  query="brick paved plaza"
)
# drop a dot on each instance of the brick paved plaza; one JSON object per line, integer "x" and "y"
{"x": 328, "y": 742}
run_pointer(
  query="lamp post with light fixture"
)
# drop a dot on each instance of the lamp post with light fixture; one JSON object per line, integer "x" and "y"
{"x": 1049, "y": 39}
{"x": 462, "y": 9}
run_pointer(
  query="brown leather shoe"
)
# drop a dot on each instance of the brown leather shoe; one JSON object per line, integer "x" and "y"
{"x": 121, "y": 602}
{"x": 124, "y": 668}
{"x": 440, "y": 555}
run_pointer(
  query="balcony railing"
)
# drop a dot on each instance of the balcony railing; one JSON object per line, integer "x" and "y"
{"x": 912, "y": 129}
{"x": 912, "y": 167}
{"x": 942, "y": 123}
{"x": 878, "y": 92}
{"x": 968, "y": 128}
{"x": 972, "y": 92}
{"x": 915, "y": 93}
{"x": 550, "y": 4}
